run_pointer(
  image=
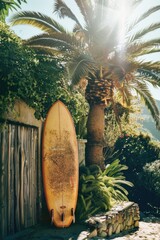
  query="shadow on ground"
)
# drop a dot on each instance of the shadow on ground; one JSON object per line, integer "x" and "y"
{"x": 48, "y": 232}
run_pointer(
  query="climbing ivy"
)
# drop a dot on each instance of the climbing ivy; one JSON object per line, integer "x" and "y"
{"x": 36, "y": 79}
{"x": 16, "y": 69}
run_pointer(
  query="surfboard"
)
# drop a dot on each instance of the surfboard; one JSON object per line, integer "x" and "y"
{"x": 60, "y": 165}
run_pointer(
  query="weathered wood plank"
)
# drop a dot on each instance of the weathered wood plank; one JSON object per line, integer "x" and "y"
{"x": 31, "y": 161}
{"x": 17, "y": 171}
{"x": 28, "y": 144}
{"x": 3, "y": 181}
{"x": 9, "y": 179}
{"x": 25, "y": 187}
{"x": 34, "y": 174}
{"x": 20, "y": 183}
{"x": 12, "y": 180}
{"x": 39, "y": 178}
{"x": 21, "y": 180}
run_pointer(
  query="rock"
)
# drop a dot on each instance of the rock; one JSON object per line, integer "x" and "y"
{"x": 92, "y": 234}
{"x": 136, "y": 218}
{"x": 130, "y": 221}
{"x": 122, "y": 226}
{"x": 110, "y": 229}
{"x": 103, "y": 234}
{"x": 115, "y": 225}
{"x": 118, "y": 229}
{"x": 136, "y": 224}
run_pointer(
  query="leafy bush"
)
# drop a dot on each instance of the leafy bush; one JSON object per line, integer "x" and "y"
{"x": 136, "y": 151}
{"x": 139, "y": 154}
{"x": 99, "y": 191}
{"x": 151, "y": 177}
{"x": 34, "y": 78}
{"x": 16, "y": 71}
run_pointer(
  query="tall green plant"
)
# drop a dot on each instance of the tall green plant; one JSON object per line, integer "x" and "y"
{"x": 100, "y": 190}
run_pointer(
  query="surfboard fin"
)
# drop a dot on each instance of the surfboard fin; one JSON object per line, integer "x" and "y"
{"x": 62, "y": 217}
{"x": 73, "y": 214}
{"x": 52, "y": 216}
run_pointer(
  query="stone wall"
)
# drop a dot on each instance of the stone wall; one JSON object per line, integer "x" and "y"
{"x": 120, "y": 218}
{"x": 22, "y": 113}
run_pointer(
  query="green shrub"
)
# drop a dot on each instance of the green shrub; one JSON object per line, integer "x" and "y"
{"x": 136, "y": 151}
{"x": 139, "y": 154}
{"x": 99, "y": 191}
{"x": 151, "y": 177}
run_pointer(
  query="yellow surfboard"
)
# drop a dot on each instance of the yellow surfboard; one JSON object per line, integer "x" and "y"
{"x": 60, "y": 165}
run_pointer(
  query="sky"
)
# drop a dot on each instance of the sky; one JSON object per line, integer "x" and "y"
{"x": 46, "y": 7}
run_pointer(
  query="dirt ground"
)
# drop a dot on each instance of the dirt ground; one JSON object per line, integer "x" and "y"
{"x": 149, "y": 229}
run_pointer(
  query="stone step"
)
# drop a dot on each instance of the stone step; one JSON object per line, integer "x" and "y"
{"x": 123, "y": 216}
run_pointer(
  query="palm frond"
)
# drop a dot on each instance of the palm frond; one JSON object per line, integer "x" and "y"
{"x": 144, "y": 31}
{"x": 64, "y": 11}
{"x": 144, "y": 16}
{"x": 36, "y": 19}
{"x": 48, "y": 51}
{"x": 125, "y": 92}
{"x": 59, "y": 37}
{"x": 136, "y": 2}
{"x": 146, "y": 51}
{"x": 143, "y": 91}
{"x": 137, "y": 48}
{"x": 152, "y": 77}
{"x": 80, "y": 67}
{"x": 151, "y": 66}
{"x": 48, "y": 42}
{"x": 86, "y": 9}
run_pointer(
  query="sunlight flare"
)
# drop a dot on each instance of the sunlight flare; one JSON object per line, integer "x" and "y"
{"x": 123, "y": 12}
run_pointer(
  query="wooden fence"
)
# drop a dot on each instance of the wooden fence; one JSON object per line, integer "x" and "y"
{"x": 19, "y": 178}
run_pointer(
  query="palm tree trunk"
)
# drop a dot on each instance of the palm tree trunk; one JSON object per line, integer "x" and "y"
{"x": 95, "y": 135}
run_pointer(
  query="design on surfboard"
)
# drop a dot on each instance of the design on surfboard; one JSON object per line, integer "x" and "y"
{"x": 60, "y": 148}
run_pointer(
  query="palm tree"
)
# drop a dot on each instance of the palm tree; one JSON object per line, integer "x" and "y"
{"x": 95, "y": 55}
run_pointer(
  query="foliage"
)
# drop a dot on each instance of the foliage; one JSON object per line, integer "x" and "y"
{"x": 79, "y": 108}
{"x": 81, "y": 127}
{"x": 100, "y": 190}
{"x": 36, "y": 79}
{"x": 139, "y": 153}
{"x": 147, "y": 188}
{"x": 120, "y": 119}
{"x": 136, "y": 151}
{"x": 16, "y": 69}
{"x": 151, "y": 177}
{"x": 5, "y": 6}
